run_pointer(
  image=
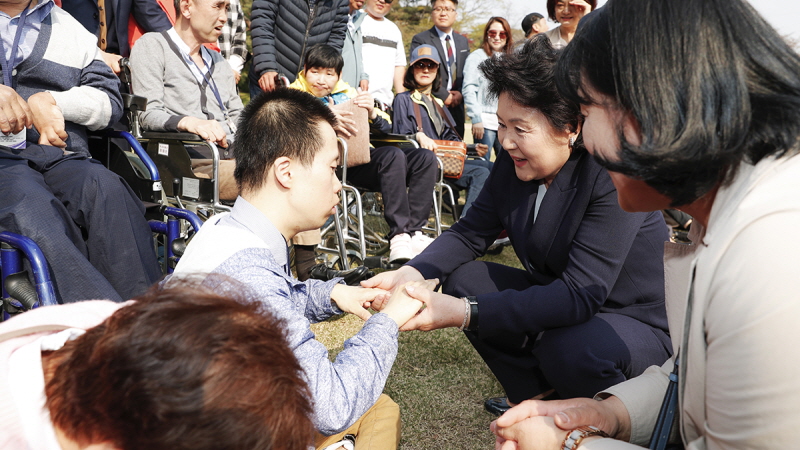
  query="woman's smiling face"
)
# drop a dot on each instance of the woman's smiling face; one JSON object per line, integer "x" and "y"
{"x": 537, "y": 148}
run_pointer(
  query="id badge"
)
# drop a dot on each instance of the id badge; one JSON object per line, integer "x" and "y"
{"x": 17, "y": 140}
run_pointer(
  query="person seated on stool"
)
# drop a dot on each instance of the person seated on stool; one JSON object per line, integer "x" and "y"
{"x": 86, "y": 219}
{"x": 288, "y": 184}
{"x": 587, "y": 311}
{"x": 405, "y": 177}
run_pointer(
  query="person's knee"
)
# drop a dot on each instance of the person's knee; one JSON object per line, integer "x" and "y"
{"x": 459, "y": 283}
{"x": 576, "y": 363}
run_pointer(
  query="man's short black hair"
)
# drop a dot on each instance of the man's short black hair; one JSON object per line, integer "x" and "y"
{"x": 324, "y": 56}
{"x": 284, "y": 122}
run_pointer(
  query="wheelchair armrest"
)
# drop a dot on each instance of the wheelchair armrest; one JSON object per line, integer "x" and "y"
{"x": 132, "y": 102}
{"x": 177, "y": 136}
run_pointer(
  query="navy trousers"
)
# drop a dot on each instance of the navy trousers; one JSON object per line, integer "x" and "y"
{"x": 405, "y": 178}
{"x": 86, "y": 220}
{"x": 577, "y": 361}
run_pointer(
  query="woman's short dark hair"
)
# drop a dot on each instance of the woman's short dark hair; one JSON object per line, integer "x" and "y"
{"x": 527, "y": 76}
{"x": 324, "y": 56}
{"x": 551, "y": 7}
{"x": 411, "y": 84}
{"x": 506, "y": 27}
{"x": 182, "y": 368}
{"x": 721, "y": 88}
{"x": 284, "y": 122}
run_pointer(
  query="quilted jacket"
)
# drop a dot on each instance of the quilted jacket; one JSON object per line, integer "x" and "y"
{"x": 283, "y": 30}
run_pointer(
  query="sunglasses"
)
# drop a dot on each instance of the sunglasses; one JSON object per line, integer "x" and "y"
{"x": 425, "y": 65}
{"x": 495, "y": 33}
{"x": 388, "y": 2}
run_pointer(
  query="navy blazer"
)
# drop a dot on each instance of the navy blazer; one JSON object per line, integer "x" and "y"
{"x": 147, "y": 13}
{"x": 584, "y": 254}
{"x": 461, "y": 49}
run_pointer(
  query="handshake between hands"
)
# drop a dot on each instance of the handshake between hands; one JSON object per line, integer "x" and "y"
{"x": 405, "y": 296}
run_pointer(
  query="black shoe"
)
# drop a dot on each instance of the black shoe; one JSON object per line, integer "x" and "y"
{"x": 352, "y": 277}
{"x": 496, "y": 405}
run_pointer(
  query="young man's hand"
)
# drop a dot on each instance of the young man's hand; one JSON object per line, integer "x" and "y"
{"x": 355, "y": 300}
{"x": 365, "y": 100}
{"x": 15, "y": 114}
{"x": 210, "y": 130}
{"x": 344, "y": 126}
{"x": 48, "y": 119}
{"x": 401, "y": 306}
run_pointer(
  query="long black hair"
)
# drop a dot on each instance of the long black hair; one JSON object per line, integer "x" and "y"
{"x": 709, "y": 83}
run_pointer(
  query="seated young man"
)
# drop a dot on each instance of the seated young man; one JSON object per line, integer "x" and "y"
{"x": 85, "y": 219}
{"x": 288, "y": 184}
{"x": 189, "y": 87}
{"x": 404, "y": 177}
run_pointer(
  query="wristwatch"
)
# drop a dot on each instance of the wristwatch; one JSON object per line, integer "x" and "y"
{"x": 473, "y": 313}
{"x": 576, "y": 436}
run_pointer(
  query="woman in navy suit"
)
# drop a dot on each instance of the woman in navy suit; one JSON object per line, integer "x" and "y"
{"x": 587, "y": 311}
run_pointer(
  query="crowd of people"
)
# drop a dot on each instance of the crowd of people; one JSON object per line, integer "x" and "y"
{"x": 608, "y": 336}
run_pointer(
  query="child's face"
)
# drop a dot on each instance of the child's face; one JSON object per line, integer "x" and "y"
{"x": 321, "y": 80}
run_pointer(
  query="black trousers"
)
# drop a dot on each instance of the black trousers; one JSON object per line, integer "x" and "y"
{"x": 576, "y": 361}
{"x": 405, "y": 178}
{"x": 87, "y": 221}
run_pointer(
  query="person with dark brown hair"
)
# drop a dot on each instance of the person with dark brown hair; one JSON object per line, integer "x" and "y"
{"x": 177, "y": 368}
{"x": 567, "y": 13}
{"x": 481, "y": 108}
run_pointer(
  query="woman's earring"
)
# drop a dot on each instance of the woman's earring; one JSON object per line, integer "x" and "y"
{"x": 571, "y": 141}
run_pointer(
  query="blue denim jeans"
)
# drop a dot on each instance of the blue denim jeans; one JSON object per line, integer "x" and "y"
{"x": 491, "y": 140}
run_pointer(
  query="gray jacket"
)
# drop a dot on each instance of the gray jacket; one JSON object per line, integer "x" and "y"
{"x": 283, "y": 30}
{"x": 353, "y": 70}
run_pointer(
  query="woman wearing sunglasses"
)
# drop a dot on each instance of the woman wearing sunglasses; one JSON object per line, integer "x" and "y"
{"x": 481, "y": 109}
{"x": 422, "y": 79}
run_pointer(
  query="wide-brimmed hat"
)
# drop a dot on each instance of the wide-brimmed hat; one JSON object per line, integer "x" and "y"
{"x": 425, "y": 52}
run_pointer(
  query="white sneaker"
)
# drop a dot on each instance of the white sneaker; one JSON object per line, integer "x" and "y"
{"x": 400, "y": 248}
{"x": 419, "y": 242}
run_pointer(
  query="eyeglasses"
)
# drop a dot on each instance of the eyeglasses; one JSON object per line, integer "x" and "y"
{"x": 441, "y": 9}
{"x": 495, "y": 33}
{"x": 421, "y": 65}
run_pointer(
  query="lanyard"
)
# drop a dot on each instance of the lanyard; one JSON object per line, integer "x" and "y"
{"x": 206, "y": 76}
{"x": 211, "y": 84}
{"x": 11, "y": 63}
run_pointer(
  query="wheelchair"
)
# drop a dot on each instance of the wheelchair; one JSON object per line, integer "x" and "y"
{"x": 357, "y": 234}
{"x": 20, "y": 294}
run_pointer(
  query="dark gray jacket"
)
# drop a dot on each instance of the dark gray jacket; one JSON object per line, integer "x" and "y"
{"x": 283, "y": 30}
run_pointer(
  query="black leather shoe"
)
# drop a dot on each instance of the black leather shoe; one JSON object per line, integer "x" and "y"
{"x": 496, "y": 405}
{"x": 352, "y": 277}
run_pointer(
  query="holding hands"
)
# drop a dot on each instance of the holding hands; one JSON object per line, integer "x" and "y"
{"x": 536, "y": 424}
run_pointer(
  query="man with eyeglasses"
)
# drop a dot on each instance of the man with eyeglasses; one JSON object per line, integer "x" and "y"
{"x": 454, "y": 49}
{"x": 382, "y": 51}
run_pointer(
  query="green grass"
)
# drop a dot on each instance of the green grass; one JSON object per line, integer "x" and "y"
{"x": 438, "y": 380}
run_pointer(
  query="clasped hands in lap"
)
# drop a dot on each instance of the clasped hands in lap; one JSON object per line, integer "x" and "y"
{"x": 39, "y": 111}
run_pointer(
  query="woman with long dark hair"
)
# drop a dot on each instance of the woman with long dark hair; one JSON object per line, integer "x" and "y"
{"x": 481, "y": 108}
{"x": 709, "y": 123}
